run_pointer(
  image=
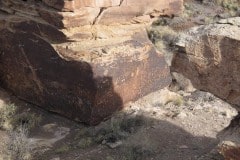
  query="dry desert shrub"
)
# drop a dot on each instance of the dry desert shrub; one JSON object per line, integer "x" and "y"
{"x": 17, "y": 125}
{"x": 17, "y": 146}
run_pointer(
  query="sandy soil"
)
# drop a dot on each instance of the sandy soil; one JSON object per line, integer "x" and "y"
{"x": 161, "y": 126}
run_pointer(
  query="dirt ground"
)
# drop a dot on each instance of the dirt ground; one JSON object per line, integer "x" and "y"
{"x": 161, "y": 126}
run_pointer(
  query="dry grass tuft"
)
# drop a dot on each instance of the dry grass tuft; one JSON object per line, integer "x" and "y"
{"x": 17, "y": 146}
{"x": 231, "y": 5}
{"x": 17, "y": 125}
{"x": 134, "y": 149}
{"x": 7, "y": 113}
{"x": 164, "y": 38}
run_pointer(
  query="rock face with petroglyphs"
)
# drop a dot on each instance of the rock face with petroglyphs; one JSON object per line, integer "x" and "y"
{"x": 209, "y": 56}
{"x": 81, "y": 58}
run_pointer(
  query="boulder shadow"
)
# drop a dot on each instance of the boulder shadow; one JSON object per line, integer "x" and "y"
{"x": 36, "y": 73}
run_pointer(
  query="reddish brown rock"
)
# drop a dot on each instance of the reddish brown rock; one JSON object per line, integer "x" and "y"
{"x": 84, "y": 16}
{"x": 146, "y": 7}
{"x": 72, "y": 5}
{"x": 129, "y": 10}
{"x": 69, "y": 57}
{"x": 230, "y": 152}
{"x": 79, "y": 13}
{"x": 230, "y": 140}
{"x": 91, "y": 90}
{"x": 210, "y": 57}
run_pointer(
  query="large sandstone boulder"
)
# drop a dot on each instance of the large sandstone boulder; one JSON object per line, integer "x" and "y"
{"x": 210, "y": 57}
{"x": 81, "y": 58}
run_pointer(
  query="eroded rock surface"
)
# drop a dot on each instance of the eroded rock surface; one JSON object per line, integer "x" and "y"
{"x": 230, "y": 141}
{"x": 82, "y": 59}
{"x": 209, "y": 56}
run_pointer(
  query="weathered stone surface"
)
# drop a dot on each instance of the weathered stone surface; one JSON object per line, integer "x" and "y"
{"x": 230, "y": 152}
{"x": 210, "y": 57}
{"x": 158, "y": 7}
{"x": 230, "y": 140}
{"x": 72, "y": 5}
{"x": 69, "y": 57}
{"x": 88, "y": 12}
{"x": 47, "y": 31}
{"x": 84, "y": 16}
{"x": 87, "y": 90}
{"x": 129, "y": 10}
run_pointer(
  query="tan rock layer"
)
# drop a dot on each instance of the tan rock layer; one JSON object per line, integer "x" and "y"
{"x": 72, "y": 5}
{"x": 89, "y": 12}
